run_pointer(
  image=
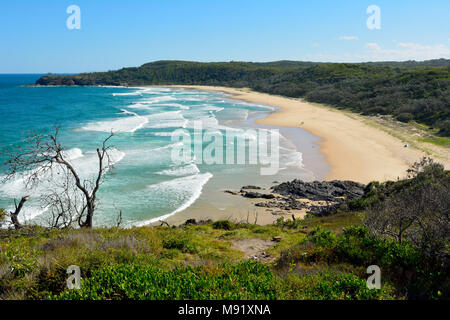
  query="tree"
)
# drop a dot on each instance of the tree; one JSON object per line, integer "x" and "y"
{"x": 418, "y": 212}
{"x": 43, "y": 158}
{"x": 14, "y": 215}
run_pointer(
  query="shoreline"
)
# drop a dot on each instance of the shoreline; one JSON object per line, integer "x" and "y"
{"x": 221, "y": 200}
{"x": 355, "y": 149}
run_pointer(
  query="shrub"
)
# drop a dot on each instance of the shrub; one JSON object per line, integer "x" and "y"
{"x": 289, "y": 223}
{"x": 182, "y": 244}
{"x": 405, "y": 117}
{"x": 413, "y": 274}
{"x": 2, "y": 216}
{"x": 21, "y": 261}
{"x": 330, "y": 286}
{"x": 322, "y": 237}
{"x": 223, "y": 224}
{"x": 247, "y": 280}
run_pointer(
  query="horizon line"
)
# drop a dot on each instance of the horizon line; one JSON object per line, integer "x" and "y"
{"x": 230, "y": 61}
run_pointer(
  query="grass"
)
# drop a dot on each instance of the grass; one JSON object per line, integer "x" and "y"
{"x": 439, "y": 141}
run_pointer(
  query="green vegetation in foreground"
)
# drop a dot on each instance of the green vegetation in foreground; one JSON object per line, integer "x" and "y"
{"x": 409, "y": 90}
{"x": 137, "y": 264}
{"x": 402, "y": 226}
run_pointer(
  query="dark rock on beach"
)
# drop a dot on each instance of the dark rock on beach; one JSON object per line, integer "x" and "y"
{"x": 251, "y": 188}
{"x": 257, "y": 195}
{"x": 321, "y": 190}
{"x": 282, "y": 203}
{"x": 325, "y": 197}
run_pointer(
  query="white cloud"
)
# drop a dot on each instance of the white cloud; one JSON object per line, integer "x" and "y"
{"x": 316, "y": 45}
{"x": 373, "y": 46}
{"x": 401, "y": 51}
{"x": 349, "y": 38}
{"x": 407, "y": 51}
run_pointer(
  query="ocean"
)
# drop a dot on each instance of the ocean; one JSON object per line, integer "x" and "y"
{"x": 145, "y": 183}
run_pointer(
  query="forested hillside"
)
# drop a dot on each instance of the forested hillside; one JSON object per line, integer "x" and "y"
{"x": 408, "y": 90}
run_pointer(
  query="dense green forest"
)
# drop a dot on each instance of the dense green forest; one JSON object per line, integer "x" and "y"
{"x": 408, "y": 90}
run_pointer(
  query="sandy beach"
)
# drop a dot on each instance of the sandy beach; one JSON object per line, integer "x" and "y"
{"x": 354, "y": 148}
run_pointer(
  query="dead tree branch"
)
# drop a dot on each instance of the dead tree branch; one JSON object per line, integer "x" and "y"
{"x": 14, "y": 215}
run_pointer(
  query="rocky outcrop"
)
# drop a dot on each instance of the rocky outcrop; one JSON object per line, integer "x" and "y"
{"x": 283, "y": 203}
{"x": 333, "y": 191}
{"x": 319, "y": 198}
{"x": 257, "y": 195}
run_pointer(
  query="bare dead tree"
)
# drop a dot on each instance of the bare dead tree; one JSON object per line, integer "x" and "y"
{"x": 14, "y": 215}
{"x": 40, "y": 158}
{"x": 119, "y": 219}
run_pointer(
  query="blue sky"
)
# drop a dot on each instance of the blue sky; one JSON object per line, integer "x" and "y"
{"x": 118, "y": 33}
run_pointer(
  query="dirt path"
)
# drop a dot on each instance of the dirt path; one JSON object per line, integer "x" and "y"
{"x": 254, "y": 249}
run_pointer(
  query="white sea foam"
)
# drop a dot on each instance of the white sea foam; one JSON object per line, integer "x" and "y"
{"x": 169, "y": 146}
{"x": 208, "y": 122}
{"x": 158, "y": 99}
{"x": 125, "y": 124}
{"x": 212, "y": 108}
{"x": 185, "y": 170}
{"x": 176, "y": 105}
{"x": 154, "y": 89}
{"x": 186, "y": 188}
{"x": 72, "y": 154}
{"x": 135, "y": 93}
{"x": 169, "y": 134}
{"x": 251, "y": 104}
{"x": 162, "y": 134}
{"x": 149, "y": 106}
{"x": 292, "y": 159}
{"x": 170, "y": 119}
{"x": 141, "y": 90}
{"x": 139, "y": 106}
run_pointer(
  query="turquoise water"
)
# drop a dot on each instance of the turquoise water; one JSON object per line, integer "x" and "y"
{"x": 144, "y": 183}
